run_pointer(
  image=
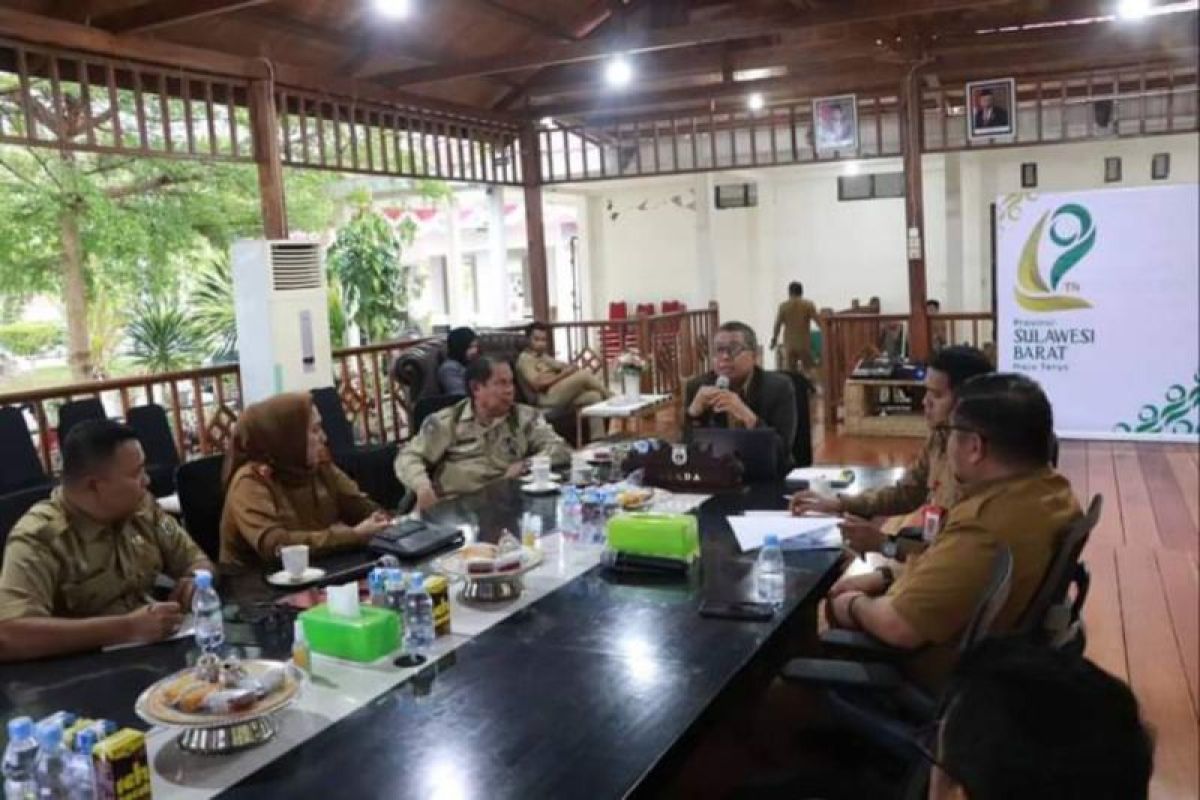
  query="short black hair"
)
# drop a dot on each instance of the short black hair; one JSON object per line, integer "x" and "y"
{"x": 480, "y": 371}
{"x": 1012, "y": 413}
{"x": 796, "y": 289}
{"x": 748, "y": 335}
{"x": 961, "y": 362}
{"x": 934, "y": 302}
{"x": 536, "y": 326}
{"x": 91, "y": 444}
{"x": 1024, "y": 720}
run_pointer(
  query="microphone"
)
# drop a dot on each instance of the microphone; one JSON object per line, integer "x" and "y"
{"x": 721, "y": 420}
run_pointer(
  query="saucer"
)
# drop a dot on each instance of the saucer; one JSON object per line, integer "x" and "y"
{"x": 284, "y": 578}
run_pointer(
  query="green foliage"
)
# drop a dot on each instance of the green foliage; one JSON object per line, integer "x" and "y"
{"x": 30, "y": 338}
{"x": 212, "y": 299}
{"x": 163, "y": 337}
{"x": 365, "y": 261}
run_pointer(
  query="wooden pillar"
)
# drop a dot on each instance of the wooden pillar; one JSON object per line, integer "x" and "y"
{"x": 264, "y": 126}
{"x": 911, "y": 115}
{"x": 535, "y": 231}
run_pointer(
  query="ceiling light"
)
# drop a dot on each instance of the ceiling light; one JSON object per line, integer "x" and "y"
{"x": 754, "y": 101}
{"x": 1133, "y": 9}
{"x": 852, "y": 168}
{"x": 618, "y": 73}
{"x": 547, "y": 122}
{"x": 396, "y": 9}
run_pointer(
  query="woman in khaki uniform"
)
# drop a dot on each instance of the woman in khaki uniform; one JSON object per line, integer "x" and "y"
{"x": 282, "y": 490}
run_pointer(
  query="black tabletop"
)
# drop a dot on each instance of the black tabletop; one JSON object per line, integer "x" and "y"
{"x": 591, "y": 686}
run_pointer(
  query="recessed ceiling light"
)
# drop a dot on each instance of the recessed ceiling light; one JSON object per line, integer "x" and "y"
{"x": 396, "y": 9}
{"x": 1134, "y": 9}
{"x": 754, "y": 101}
{"x": 618, "y": 72}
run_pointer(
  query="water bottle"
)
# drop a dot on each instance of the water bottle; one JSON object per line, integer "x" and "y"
{"x": 206, "y": 614}
{"x": 82, "y": 772}
{"x": 571, "y": 521}
{"x": 53, "y": 779}
{"x": 377, "y": 587}
{"x": 768, "y": 571}
{"x": 418, "y": 616}
{"x": 20, "y": 760}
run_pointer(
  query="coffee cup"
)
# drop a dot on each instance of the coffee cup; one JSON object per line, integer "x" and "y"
{"x": 539, "y": 466}
{"x": 295, "y": 559}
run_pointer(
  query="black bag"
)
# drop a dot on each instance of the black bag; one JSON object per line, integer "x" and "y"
{"x": 413, "y": 539}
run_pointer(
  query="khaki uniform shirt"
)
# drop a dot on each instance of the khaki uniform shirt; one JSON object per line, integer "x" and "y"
{"x": 795, "y": 316}
{"x": 928, "y": 481}
{"x": 457, "y": 455}
{"x": 261, "y": 514}
{"x": 59, "y": 562}
{"x": 938, "y": 593}
{"x": 532, "y": 366}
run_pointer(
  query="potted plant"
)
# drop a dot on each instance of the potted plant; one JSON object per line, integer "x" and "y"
{"x": 630, "y": 366}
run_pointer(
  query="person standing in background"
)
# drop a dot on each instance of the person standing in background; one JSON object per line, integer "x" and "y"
{"x": 795, "y": 317}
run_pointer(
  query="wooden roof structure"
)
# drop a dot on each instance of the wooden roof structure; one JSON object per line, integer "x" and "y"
{"x": 523, "y": 59}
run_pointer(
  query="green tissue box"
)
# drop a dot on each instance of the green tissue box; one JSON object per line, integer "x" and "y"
{"x": 372, "y": 636}
{"x": 663, "y": 535}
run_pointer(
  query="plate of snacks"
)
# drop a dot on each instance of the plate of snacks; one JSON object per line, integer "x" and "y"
{"x": 482, "y": 561}
{"x": 635, "y": 498}
{"x": 220, "y": 692}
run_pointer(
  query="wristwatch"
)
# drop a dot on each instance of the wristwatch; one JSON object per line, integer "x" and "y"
{"x": 889, "y": 549}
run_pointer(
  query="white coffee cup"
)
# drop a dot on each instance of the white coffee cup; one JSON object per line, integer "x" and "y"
{"x": 295, "y": 559}
{"x": 540, "y": 467}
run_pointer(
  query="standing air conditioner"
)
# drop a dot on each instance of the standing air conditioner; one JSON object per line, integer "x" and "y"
{"x": 279, "y": 299}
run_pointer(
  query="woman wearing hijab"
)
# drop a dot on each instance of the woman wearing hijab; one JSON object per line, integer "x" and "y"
{"x": 462, "y": 347}
{"x": 281, "y": 490}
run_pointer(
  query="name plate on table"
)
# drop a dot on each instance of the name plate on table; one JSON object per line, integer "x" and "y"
{"x": 686, "y": 468}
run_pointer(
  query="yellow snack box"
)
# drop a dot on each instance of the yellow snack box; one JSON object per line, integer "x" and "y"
{"x": 122, "y": 767}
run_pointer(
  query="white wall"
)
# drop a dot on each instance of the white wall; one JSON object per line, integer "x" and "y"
{"x": 657, "y": 248}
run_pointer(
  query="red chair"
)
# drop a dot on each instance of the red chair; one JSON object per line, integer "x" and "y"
{"x": 612, "y": 338}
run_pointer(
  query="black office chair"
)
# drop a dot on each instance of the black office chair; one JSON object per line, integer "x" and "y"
{"x": 427, "y": 406}
{"x": 13, "y": 506}
{"x": 802, "y": 452}
{"x": 873, "y": 698}
{"x": 370, "y": 465}
{"x": 73, "y": 412}
{"x": 202, "y": 499}
{"x": 153, "y": 430}
{"x": 20, "y": 468}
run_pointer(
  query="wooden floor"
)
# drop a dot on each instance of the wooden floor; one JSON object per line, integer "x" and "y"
{"x": 1143, "y": 608}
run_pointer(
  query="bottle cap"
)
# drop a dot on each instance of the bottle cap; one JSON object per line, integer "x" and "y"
{"x": 203, "y": 579}
{"x": 20, "y": 728}
{"x": 85, "y": 741}
{"x": 771, "y": 540}
{"x": 49, "y": 735}
{"x": 416, "y": 580}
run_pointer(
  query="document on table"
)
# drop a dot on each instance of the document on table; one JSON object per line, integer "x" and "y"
{"x": 815, "y": 473}
{"x": 795, "y": 533}
{"x": 188, "y": 628}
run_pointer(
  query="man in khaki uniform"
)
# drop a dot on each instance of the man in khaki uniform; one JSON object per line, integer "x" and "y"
{"x": 478, "y": 440}
{"x": 999, "y": 441}
{"x": 795, "y": 316}
{"x": 557, "y": 384}
{"x": 79, "y": 567}
{"x": 928, "y": 481}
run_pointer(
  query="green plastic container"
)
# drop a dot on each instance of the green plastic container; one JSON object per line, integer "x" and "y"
{"x": 663, "y": 535}
{"x": 372, "y": 636}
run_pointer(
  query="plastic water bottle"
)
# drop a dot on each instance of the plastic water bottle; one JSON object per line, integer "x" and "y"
{"x": 418, "y": 616}
{"x": 20, "y": 760}
{"x": 768, "y": 572}
{"x": 82, "y": 772}
{"x": 53, "y": 764}
{"x": 571, "y": 520}
{"x": 206, "y": 614}
{"x": 377, "y": 587}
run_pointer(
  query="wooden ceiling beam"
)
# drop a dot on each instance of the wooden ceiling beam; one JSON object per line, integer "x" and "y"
{"x": 673, "y": 38}
{"x": 528, "y": 21}
{"x": 160, "y": 14}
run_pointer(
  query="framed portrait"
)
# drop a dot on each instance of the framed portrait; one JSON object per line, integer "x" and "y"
{"x": 991, "y": 109}
{"x": 835, "y": 123}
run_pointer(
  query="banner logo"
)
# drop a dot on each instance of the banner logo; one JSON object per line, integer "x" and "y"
{"x": 1071, "y": 229}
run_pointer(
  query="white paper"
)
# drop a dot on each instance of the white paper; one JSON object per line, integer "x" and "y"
{"x": 188, "y": 628}
{"x": 799, "y": 532}
{"x": 815, "y": 473}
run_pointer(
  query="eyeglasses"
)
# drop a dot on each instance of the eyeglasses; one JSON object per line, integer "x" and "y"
{"x": 729, "y": 350}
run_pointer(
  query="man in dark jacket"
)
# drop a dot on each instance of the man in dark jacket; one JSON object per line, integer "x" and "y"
{"x": 740, "y": 394}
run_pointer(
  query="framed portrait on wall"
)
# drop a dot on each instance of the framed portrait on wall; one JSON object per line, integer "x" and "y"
{"x": 991, "y": 109}
{"x": 835, "y": 123}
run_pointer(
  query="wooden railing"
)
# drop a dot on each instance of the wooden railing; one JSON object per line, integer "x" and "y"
{"x": 203, "y": 404}
{"x": 849, "y": 337}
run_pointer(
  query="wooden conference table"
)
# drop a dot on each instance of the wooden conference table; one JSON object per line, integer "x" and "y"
{"x": 590, "y": 682}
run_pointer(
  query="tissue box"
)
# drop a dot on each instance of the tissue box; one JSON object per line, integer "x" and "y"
{"x": 663, "y": 535}
{"x": 372, "y": 636}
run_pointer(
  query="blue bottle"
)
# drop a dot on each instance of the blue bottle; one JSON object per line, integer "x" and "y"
{"x": 20, "y": 761}
{"x": 53, "y": 778}
{"x": 206, "y": 613}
